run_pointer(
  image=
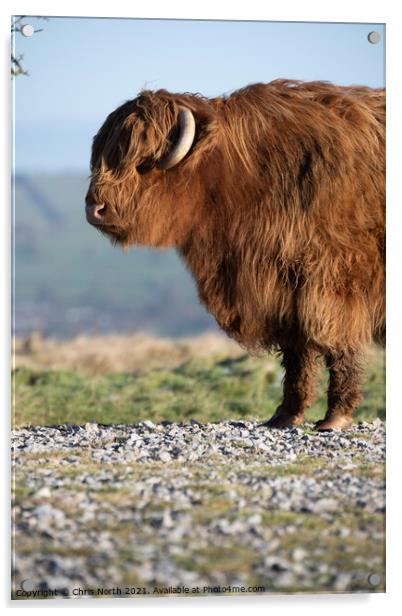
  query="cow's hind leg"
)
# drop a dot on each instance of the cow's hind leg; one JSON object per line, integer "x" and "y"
{"x": 298, "y": 387}
{"x": 344, "y": 393}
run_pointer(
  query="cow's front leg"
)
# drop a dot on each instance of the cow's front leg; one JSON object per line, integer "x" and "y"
{"x": 344, "y": 393}
{"x": 298, "y": 387}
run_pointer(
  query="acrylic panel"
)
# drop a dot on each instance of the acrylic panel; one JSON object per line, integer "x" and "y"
{"x": 198, "y": 308}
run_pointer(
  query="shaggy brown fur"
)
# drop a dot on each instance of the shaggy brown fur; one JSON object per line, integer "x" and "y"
{"x": 277, "y": 210}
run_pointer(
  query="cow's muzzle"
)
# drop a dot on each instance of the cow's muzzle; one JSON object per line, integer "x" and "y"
{"x": 95, "y": 213}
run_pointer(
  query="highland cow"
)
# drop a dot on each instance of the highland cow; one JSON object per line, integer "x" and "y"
{"x": 274, "y": 197}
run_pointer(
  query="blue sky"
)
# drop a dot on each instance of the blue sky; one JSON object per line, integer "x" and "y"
{"x": 81, "y": 69}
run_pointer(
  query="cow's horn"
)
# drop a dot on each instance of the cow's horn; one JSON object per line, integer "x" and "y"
{"x": 184, "y": 142}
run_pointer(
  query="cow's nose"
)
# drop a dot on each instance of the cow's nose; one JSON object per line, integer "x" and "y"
{"x": 95, "y": 213}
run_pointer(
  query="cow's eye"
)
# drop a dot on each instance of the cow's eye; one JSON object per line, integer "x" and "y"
{"x": 145, "y": 166}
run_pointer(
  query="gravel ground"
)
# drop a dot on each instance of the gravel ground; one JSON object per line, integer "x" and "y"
{"x": 153, "y": 509}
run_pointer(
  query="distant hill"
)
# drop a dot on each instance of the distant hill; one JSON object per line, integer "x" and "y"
{"x": 69, "y": 279}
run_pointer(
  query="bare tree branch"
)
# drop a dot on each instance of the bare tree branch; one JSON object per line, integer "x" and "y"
{"x": 16, "y": 67}
{"x": 17, "y": 23}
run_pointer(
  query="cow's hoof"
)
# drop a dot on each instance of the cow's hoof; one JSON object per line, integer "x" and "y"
{"x": 334, "y": 423}
{"x": 283, "y": 421}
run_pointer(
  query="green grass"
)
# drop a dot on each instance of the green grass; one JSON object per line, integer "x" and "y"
{"x": 207, "y": 390}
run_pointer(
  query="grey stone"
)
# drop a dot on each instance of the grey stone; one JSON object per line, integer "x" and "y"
{"x": 165, "y": 456}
